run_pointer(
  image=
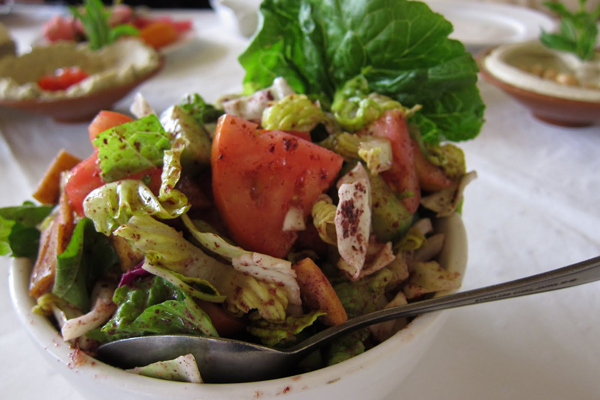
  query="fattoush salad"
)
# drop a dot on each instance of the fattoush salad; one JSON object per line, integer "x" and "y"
{"x": 269, "y": 215}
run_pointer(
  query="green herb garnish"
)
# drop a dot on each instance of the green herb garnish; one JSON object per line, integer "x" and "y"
{"x": 578, "y": 30}
{"x": 98, "y": 31}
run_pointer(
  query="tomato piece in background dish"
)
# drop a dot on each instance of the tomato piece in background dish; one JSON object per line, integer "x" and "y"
{"x": 258, "y": 176}
{"x": 62, "y": 79}
{"x": 402, "y": 177}
{"x": 158, "y": 34}
{"x": 105, "y": 120}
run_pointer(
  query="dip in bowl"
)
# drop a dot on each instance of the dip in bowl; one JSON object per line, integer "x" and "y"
{"x": 113, "y": 72}
{"x": 556, "y": 86}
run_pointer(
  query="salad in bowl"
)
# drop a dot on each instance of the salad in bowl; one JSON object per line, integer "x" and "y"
{"x": 308, "y": 199}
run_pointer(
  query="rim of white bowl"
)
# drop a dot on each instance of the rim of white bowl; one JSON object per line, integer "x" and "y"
{"x": 41, "y": 330}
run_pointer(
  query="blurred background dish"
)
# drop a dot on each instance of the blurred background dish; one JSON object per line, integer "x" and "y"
{"x": 79, "y": 109}
{"x": 559, "y": 100}
{"x": 479, "y": 25}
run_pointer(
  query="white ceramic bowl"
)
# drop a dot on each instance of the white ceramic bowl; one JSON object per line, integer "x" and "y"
{"x": 372, "y": 375}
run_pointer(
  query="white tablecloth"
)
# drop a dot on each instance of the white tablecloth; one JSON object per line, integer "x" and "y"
{"x": 534, "y": 207}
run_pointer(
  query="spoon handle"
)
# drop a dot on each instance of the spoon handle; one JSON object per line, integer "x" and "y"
{"x": 572, "y": 275}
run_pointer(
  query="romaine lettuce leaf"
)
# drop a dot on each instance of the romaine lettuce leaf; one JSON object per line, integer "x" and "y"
{"x": 153, "y": 306}
{"x": 346, "y": 347}
{"x": 200, "y": 110}
{"x": 401, "y": 47}
{"x": 265, "y": 268}
{"x": 278, "y": 333}
{"x": 166, "y": 247}
{"x": 132, "y": 147}
{"x": 364, "y": 296}
{"x": 112, "y": 205}
{"x": 18, "y": 233}
{"x": 193, "y": 287}
{"x": 87, "y": 257}
{"x": 181, "y": 369}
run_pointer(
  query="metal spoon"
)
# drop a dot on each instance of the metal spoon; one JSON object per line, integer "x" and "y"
{"x": 225, "y": 360}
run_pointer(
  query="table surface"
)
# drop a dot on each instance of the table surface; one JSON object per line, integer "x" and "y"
{"x": 534, "y": 207}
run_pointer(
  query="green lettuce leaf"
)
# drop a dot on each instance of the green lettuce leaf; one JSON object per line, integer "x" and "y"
{"x": 88, "y": 256}
{"x": 265, "y": 268}
{"x": 346, "y": 347}
{"x": 131, "y": 148}
{"x": 180, "y": 123}
{"x": 19, "y": 236}
{"x": 278, "y": 333}
{"x": 166, "y": 247}
{"x": 153, "y": 306}
{"x": 113, "y": 204}
{"x": 181, "y": 369}
{"x": 401, "y": 47}
{"x": 364, "y": 296}
{"x": 200, "y": 110}
{"x": 193, "y": 287}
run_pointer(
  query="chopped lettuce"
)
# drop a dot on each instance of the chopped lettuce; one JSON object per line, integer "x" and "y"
{"x": 87, "y": 257}
{"x": 263, "y": 267}
{"x": 200, "y": 110}
{"x": 346, "y": 347}
{"x": 131, "y": 148}
{"x": 181, "y": 369}
{"x": 181, "y": 124}
{"x": 18, "y": 233}
{"x": 153, "y": 306}
{"x": 364, "y": 296}
{"x": 166, "y": 247}
{"x": 112, "y": 205}
{"x": 400, "y": 47}
{"x": 279, "y": 333}
{"x": 295, "y": 112}
{"x": 355, "y": 107}
{"x": 193, "y": 287}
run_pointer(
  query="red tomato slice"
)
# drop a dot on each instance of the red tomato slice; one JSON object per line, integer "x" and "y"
{"x": 431, "y": 177}
{"x": 402, "y": 177}
{"x": 62, "y": 79}
{"x": 84, "y": 178}
{"x": 151, "y": 177}
{"x": 258, "y": 177}
{"x": 105, "y": 120}
{"x": 300, "y": 134}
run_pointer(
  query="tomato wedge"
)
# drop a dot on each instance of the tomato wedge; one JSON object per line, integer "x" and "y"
{"x": 259, "y": 176}
{"x": 105, "y": 120}
{"x": 402, "y": 177}
{"x": 84, "y": 178}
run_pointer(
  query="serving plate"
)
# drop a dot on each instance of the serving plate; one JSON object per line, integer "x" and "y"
{"x": 480, "y": 25}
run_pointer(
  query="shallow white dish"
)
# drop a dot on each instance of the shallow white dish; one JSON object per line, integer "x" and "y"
{"x": 479, "y": 25}
{"x": 372, "y": 375}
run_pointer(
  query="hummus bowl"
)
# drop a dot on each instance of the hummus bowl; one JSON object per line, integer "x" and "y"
{"x": 113, "y": 72}
{"x": 555, "y": 86}
{"x": 372, "y": 375}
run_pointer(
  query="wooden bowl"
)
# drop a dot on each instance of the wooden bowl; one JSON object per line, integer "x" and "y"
{"x": 551, "y": 109}
{"x": 80, "y": 108}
